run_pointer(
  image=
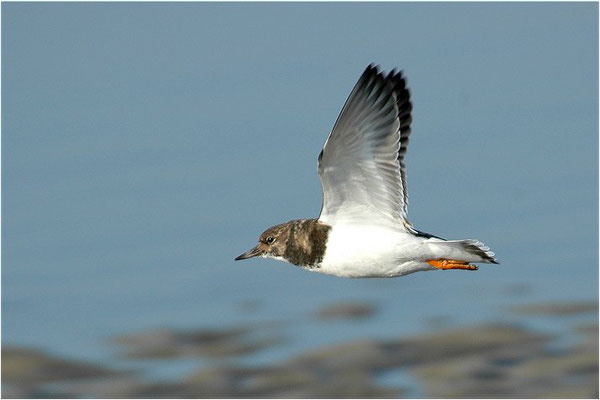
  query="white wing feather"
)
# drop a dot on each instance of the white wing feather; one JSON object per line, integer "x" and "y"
{"x": 362, "y": 163}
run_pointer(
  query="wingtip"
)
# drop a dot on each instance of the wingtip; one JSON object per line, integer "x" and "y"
{"x": 372, "y": 69}
{"x": 394, "y": 73}
{"x": 369, "y": 73}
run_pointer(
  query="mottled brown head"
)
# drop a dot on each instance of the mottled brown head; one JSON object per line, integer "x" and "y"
{"x": 271, "y": 243}
{"x": 301, "y": 242}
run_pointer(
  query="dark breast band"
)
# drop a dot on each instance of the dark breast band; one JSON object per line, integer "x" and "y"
{"x": 307, "y": 242}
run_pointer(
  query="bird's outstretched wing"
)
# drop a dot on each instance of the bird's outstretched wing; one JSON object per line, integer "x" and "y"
{"x": 362, "y": 166}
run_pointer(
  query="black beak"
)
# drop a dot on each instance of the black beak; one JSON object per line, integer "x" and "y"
{"x": 249, "y": 254}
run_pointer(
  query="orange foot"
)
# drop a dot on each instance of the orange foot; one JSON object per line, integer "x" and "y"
{"x": 451, "y": 264}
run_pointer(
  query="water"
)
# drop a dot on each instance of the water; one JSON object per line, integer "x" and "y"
{"x": 146, "y": 145}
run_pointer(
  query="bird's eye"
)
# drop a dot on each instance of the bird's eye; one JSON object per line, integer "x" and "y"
{"x": 270, "y": 240}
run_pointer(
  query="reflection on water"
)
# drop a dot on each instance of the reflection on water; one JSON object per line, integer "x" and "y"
{"x": 485, "y": 360}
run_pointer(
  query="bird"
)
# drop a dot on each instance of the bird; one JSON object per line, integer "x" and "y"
{"x": 363, "y": 230}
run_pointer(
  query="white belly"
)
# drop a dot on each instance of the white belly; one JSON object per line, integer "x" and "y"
{"x": 361, "y": 252}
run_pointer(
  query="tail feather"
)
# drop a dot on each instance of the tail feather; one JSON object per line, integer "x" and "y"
{"x": 469, "y": 250}
{"x": 479, "y": 249}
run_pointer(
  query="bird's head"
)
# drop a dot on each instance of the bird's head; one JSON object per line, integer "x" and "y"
{"x": 271, "y": 243}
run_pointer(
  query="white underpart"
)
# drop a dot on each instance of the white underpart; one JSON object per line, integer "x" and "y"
{"x": 372, "y": 251}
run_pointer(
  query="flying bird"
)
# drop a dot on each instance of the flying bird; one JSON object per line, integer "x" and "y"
{"x": 363, "y": 230}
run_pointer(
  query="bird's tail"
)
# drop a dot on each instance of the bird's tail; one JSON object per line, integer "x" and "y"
{"x": 469, "y": 250}
{"x": 479, "y": 249}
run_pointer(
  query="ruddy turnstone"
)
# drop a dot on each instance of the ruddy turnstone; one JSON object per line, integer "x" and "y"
{"x": 363, "y": 230}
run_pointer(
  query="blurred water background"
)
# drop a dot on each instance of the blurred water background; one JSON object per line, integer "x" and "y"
{"x": 146, "y": 145}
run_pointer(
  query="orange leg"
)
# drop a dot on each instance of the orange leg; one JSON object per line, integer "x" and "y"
{"x": 451, "y": 264}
